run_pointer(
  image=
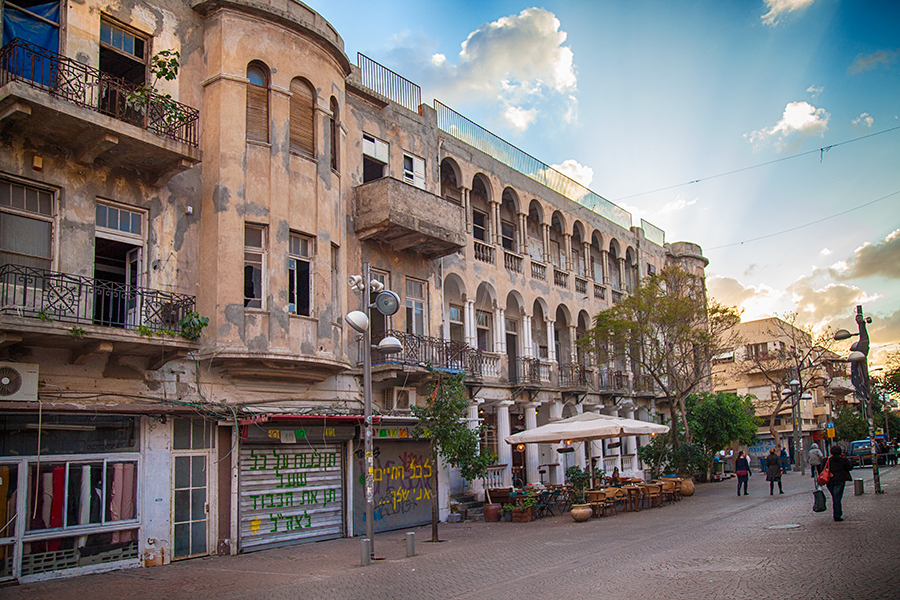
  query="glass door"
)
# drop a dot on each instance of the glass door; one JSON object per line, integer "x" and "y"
{"x": 9, "y": 498}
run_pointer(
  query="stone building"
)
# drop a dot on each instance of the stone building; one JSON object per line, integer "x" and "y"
{"x": 246, "y": 191}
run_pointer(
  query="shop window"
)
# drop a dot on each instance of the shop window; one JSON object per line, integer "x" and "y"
{"x": 300, "y": 275}
{"x": 254, "y": 265}
{"x": 303, "y": 101}
{"x": 26, "y": 225}
{"x": 257, "y": 103}
{"x": 415, "y": 307}
{"x": 192, "y": 434}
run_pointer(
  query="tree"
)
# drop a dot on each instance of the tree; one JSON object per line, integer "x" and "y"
{"x": 849, "y": 424}
{"x": 443, "y": 421}
{"x": 668, "y": 331}
{"x": 720, "y": 420}
{"x": 797, "y": 353}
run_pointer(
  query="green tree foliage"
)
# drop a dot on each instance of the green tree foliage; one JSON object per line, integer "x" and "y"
{"x": 720, "y": 420}
{"x": 442, "y": 420}
{"x": 667, "y": 330}
{"x": 664, "y": 457}
{"x": 849, "y": 424}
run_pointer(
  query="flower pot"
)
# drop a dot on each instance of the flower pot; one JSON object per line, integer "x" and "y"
{"x": 687, "y": 487}
{"x": 581, "y": 512}
{"x": 491, "y": 513}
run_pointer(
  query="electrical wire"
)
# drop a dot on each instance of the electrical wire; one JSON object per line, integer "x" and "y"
{"x": 821, "y": 152}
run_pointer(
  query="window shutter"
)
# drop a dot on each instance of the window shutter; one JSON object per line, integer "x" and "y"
{"x": 302, "y": 114}
{"x": 419, "y": 171}
{"x": 257, "y": 113}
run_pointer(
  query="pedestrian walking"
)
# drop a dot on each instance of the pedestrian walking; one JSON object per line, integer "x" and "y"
{"x": 815, "y": 459}
{"x": 742, "y": 470}
{"x": 839, "y": 467}
{"x": 785, "y": 461}
{"x": 773, "y": 472}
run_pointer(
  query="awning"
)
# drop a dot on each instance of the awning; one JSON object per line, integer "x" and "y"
{"x": 587, "y": 426}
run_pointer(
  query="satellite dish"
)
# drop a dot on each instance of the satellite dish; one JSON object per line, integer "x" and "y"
{"x": 358, "y": 320}
{"x": 387, "y": 302}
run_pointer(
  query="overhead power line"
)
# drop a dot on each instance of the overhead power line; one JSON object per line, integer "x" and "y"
{"x": 821, "y": 152}
{"x": 756, "y": 239}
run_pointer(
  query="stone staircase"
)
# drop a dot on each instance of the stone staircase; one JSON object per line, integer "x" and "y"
{"x": 468, "y": 508}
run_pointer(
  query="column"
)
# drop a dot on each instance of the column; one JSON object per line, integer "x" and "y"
{"x": 580, "y": 447}
{"x": 604, "y": 265}
{"x": 467, "y": 209}
{"x": 523, "y": 234}
{"x": 586, "y": 251}
{"x": 573, "y": 347}
{"x": 471, "y": 335}
{"x": 630, "y": 444}
{"x": 622, "y": 274}
{"x": 476, "y": 486}
{"x": 504, "y": 450}
{"x": 527, "y": 341}
{"x": 551, "y": 341}
{"x": 495, "y": 222}
{"x": 499, "y": 331}
{"x": 557, "y": 475}
{"x": 545, "y": 233}
{"x": 567, "y": 248}
{"x": 532, "y": 453}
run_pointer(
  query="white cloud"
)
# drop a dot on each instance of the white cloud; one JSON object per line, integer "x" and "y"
{"x": 574, "y": 170}
{"x": 779, "y": 7}
{"x": 754, "y": 302}
{"x": 815, "y": 91}
{"x": 799, "y": 121}
{"x": 518, "y": 64}
{"x": 872, "y": 260}
{"x": 678, "y": 204}
{"x": 863, "y": 120}
{"x": 519, "y": 117}
{"x": 872, "y": 61}
{"x": 825, "y": 252}
{"x": 818, "y": 306}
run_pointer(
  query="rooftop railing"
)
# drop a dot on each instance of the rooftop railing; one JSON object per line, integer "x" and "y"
{"x": 90, "y": 88}
{"x": 392, "y": 86}
{"x": 652, "y": 233}
{"x": 51, "y": 296}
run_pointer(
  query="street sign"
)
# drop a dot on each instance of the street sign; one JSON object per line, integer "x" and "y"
{"x": 830, "y": 432}
{"x": 830, "y": 426}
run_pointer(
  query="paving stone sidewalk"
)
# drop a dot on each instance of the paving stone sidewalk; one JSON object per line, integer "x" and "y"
{"x": 712, "y": 545}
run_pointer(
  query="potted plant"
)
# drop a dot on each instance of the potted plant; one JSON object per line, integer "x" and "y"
{"x": 525, "y": 511}
{"x": 579, "y": 479}
{"x": 507, "y": 512}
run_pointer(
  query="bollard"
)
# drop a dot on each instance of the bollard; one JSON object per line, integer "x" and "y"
{"x": 858, "y": 489}
{"x": 365, "y": 554}
{"x": 410, "y": 544}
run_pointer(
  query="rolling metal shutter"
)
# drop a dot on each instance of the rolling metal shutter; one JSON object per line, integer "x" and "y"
{"x": 290, "y": 493}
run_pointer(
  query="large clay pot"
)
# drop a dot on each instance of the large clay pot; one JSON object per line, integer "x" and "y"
{"x": 581, "y": 512}
{"x": 491, "y": 513}
{"x": 687, "y": 487}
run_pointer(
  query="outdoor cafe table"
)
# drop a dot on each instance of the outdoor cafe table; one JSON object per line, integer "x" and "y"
{"x": 632, "y": 496}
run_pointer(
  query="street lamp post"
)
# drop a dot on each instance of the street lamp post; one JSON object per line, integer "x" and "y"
{"x": 859, "y": 376}
{"x": 794, "y": 392}
{"x": 387, "y": 303}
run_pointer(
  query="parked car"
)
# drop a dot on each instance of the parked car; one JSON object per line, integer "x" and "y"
{"x": 861, "y": 452}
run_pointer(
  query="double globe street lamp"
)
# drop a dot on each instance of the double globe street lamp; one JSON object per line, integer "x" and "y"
{"x": 796, "y": 417}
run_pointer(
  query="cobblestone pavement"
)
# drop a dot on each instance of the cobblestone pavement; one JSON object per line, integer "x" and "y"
{"x": 712, "y": 545}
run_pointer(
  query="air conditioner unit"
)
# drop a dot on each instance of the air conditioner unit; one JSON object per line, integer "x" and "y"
{"x": 399, "y": 398}
{"x": 18, "y": 381}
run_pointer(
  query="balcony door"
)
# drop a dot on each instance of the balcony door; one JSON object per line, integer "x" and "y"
{"x": 119, "y": 266}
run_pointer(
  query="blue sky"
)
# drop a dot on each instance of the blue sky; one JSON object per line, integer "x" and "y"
{"x": 636, "y": 97}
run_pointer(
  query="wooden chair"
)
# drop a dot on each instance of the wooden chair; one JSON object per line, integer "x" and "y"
{"x": 668, "y": 491}
{"x": 653, "y": 493}
{"x": 610, "y": 499}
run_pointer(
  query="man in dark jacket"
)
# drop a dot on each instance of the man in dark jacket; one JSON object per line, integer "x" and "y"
{"x": 839, "y": 467}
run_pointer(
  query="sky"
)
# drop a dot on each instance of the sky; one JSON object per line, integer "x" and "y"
{"x": 767, "y": 131}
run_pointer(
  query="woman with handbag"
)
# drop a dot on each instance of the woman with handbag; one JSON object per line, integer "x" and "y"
{"x": 773, "y": 471}
{"x": 839, "y": 469}
{"x": 742, "y": 470}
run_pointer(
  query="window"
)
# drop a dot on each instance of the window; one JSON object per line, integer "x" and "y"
{"x": 123, "y": 52}
{"x": 303, "y": 101}
{"x": 257, "y": 103}
{"x": 415, "y": 307}
{"x": 254, "y": 265}
{"x": 508, "y": 233}
{"x": 651, "y": 269}
{"x": 479, "y": 225}
{"x": 26, "y": 225}
{"x": 414, "y": 170}
{"x": 375, "y": 157}
{"x": 457, "y": 323}
{"x": 335, "y": 122}
{"x": 512, "y": 326}
{"x": 299, "y": 275}
{"x": 484, "y": 326}
{"x": 119, "y": 235}
{"x": 757, "y": 351}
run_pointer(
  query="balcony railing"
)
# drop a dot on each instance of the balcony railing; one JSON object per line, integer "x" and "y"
{"x": 560, "y": 278}
{"x": 539, "y": 271}
{"x": 616, "y": 296}
{"x": 90, "y": 88}
{"x": 599, "y": 292}
{"x": 644, "y": 383}
{"x": 526, "y": 370}
{"x": 484, "y": 252}
{"x": 573, "y": 376}
{"x": 546, "y": 371}
{"x": 619, "y": 380}
{"x": 441, "y": 354}
{"x": 46, "y": 295}
{"x": 512, "y": 262}
{"x": 580, "y": 285}
{"x": 490, "y": 364}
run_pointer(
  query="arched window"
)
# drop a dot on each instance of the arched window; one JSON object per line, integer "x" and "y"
{"x": 302, "y": 117}
{"x": 335, "y": 134}
{"x": 258, "y": 102}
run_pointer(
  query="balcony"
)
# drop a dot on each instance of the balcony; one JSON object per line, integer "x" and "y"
{"x": 538, "y": 271}
{"x": 617, "y": 296}
{"x": 512, "y": 262}
{"x": 408, "y": 218}
{"x": 91, "y": 316}
{"x": 484, "y": 252}
{"x": 560, "y": 278}
{"x": 580, "y": 285}
{"x": 440, "y": 354}
{"x": 645, "y": 385}
{"x": 526, "y": 371}
{"x": 56, "y": 101}
{"x": 573, "y": 377}
{"x": 599, "y": 292}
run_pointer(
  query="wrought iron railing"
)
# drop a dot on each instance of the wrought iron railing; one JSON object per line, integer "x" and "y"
{"x": 47, "y": 295}
{"x": 392, "y": 86}
{"x": 90, "y": 88}
{"x": 484, "y": 252}
{"x": 644, "y": 383}
{"x": 619, "y": 380}
{"x": 421, "y": 349}
{"x": 572, "y": 376}
{"x": 526, "y": 370}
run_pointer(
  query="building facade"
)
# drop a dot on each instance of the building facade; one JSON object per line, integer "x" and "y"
{"x": 177, "y": 377}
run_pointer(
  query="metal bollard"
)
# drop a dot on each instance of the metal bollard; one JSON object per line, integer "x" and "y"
{"x": 365, "y": 553}
{"x": 410, "y": 544}
{"x": 858, "y": 489}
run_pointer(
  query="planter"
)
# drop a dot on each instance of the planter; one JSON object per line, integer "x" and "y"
{"x": 687, "y": 487}
{"x": 491, "y": 513}
{"x": 581, "y": 512}
{"x": 507, "y": 516}
{"x": 522, "y": 516}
